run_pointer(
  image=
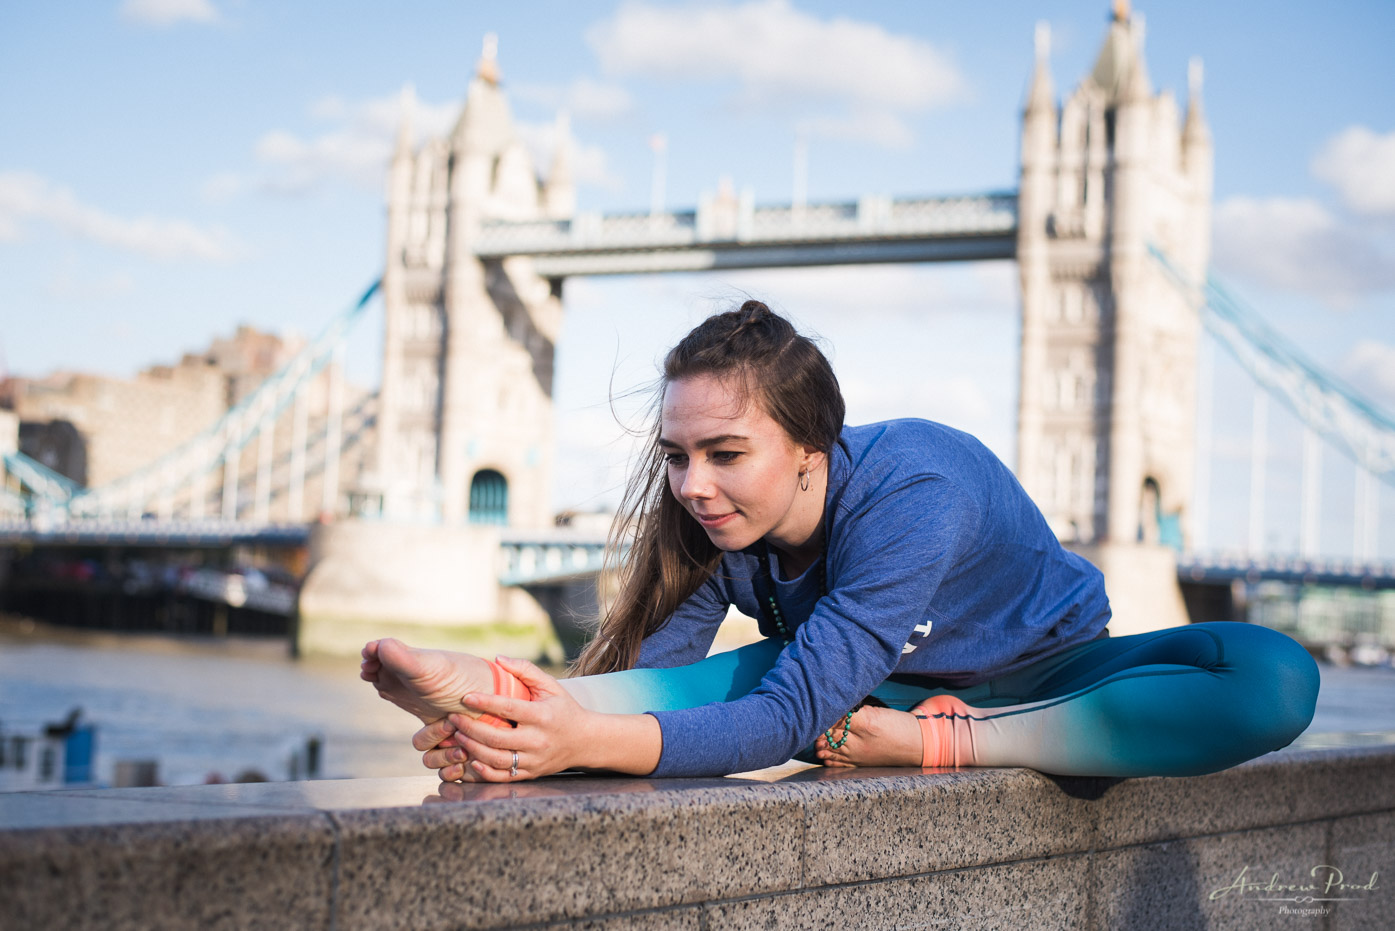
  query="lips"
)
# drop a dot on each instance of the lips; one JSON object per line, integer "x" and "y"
{"x": 713, "y": 521}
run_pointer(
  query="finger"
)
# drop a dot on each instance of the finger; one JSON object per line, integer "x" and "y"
{"x": 477, "y": 734}
{"x": 490, "y": 774}
{"x": 500, "y": 758}
{"x": 510, "y": 709}
{"x": 370, "y": 650}
{"x": 433, "y": 734}
{"x": 481, "y": 731}
{"x": 453, "y": 773}
{"x": 441, "y": 758}
{"x": 454, "y": 740}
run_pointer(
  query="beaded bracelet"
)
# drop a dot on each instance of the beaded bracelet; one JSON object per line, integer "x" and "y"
{"x": 847, "y": 732}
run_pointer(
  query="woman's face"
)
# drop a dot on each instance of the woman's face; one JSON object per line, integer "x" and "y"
{"x": 732, "y": 466}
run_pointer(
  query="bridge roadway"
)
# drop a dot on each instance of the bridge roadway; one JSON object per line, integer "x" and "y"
{"x": 1336, "y": 573}
{"x": 737, "y": 234}
{"x": 545, "y": 556}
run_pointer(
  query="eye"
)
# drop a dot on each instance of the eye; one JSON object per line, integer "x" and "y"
{"x": 675, "y": 459}
{"x": 725, "y": 457}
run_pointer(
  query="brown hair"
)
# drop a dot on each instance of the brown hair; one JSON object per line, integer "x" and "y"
{"x": 669, "y": 554}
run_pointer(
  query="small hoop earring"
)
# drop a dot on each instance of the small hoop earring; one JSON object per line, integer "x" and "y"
{"x": 803, "y": 481}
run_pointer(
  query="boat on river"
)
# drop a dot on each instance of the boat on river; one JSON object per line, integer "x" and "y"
{"x": 56, "y": 756}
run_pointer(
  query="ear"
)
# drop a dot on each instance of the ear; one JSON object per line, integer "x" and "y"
{"x": 812, "y": 458}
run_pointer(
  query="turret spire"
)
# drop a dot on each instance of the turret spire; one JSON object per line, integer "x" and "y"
{"x": 1195, "y": 131}
{"x": 1136, "y": 86}
{"x": 488, "y": 67}
{"x": 1040, "y": 96}
{"x": 484, "y": 123}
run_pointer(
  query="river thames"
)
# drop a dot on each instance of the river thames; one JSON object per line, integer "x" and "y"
{"x": 226, "y": 709}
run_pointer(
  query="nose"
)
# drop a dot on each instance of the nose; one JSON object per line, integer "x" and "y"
{"x": 697, "y": 483}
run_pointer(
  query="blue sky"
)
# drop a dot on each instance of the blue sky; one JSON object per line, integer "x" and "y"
{"x": 171, "y": 168}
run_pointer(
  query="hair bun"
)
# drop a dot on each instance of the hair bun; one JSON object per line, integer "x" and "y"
{"x": 755, "y": 317}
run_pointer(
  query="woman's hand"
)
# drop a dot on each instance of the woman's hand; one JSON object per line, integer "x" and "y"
{"x": 549, "y": 738}
{"x": 438, "y": 739}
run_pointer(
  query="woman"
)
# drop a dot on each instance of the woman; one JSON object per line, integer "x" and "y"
{"x": 916, "y": 607}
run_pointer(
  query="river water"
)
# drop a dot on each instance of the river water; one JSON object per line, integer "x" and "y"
{"x": 206, "y": 711}
{"x": 201, "y": 710}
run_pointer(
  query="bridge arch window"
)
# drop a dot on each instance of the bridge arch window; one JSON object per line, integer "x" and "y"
{"x": 489, "y": 498}
{"x": 1149, "y": 512}
{"x": 1155, "y": 525}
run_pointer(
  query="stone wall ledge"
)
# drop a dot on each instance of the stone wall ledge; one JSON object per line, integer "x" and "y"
{"x": 791, "y": 847}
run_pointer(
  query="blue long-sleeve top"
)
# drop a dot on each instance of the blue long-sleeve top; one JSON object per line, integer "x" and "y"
{"x": 937, "y": 564}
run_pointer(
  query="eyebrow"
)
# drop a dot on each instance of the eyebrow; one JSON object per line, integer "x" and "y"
{"x": 709, "y": 441}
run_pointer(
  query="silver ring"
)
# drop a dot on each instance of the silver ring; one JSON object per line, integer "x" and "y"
{"x": 513, "y": 770}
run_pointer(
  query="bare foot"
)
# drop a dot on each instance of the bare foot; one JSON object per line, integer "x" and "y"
{"x": 880, "y": 737}
{"x": 427, "y": 683}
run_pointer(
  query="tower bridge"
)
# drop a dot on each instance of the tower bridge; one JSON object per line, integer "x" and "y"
{"x": 1110, "y": 229}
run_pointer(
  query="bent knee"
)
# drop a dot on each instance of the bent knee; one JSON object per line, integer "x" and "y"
{"x": 1281, "y": 682}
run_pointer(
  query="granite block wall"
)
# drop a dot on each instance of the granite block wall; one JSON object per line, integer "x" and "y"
{"x": 1296, "y": 839}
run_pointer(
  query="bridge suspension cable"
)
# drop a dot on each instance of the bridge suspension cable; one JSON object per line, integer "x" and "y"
{"x": 1323, "y": 404}
{"x": 1319, "y": 399}
{"x": 217, "y": 446}
{"x": 39, "y": 478}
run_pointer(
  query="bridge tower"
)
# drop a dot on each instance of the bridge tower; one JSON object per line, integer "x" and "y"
{"x": 465, "y": 422}
{"x": 1106, "y": 416}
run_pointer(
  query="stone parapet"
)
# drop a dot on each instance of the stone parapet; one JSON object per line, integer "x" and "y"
{"x": 786, "y": 848}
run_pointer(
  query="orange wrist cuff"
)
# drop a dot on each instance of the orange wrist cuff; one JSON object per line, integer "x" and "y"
{"x": 507, "y": 685}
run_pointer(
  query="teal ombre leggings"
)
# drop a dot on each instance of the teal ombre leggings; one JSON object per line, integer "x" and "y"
{"x": 1176, "y": 702}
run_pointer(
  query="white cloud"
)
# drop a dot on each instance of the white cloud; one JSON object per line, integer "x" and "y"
{"x": 781, "y": 57}
{"x": 597, "y": 100}
{"x": 775, "y": 50}
{"x": 169, "y": 12}
{"x": 590, "y": 164}
{"x": 382, "y": 116}
{"x": 357, "y": 146}
{"x": 27, "y": 197}
{"x": 584, "y": 98}
{"x": 1370, "y": 368}
{"x": 1299, "y": 244}
{"x": 879, "y": 292}
{"x": 1360, "y": 164}
{"x": 954, "y": 399}
{"x": 295, "y": 165}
